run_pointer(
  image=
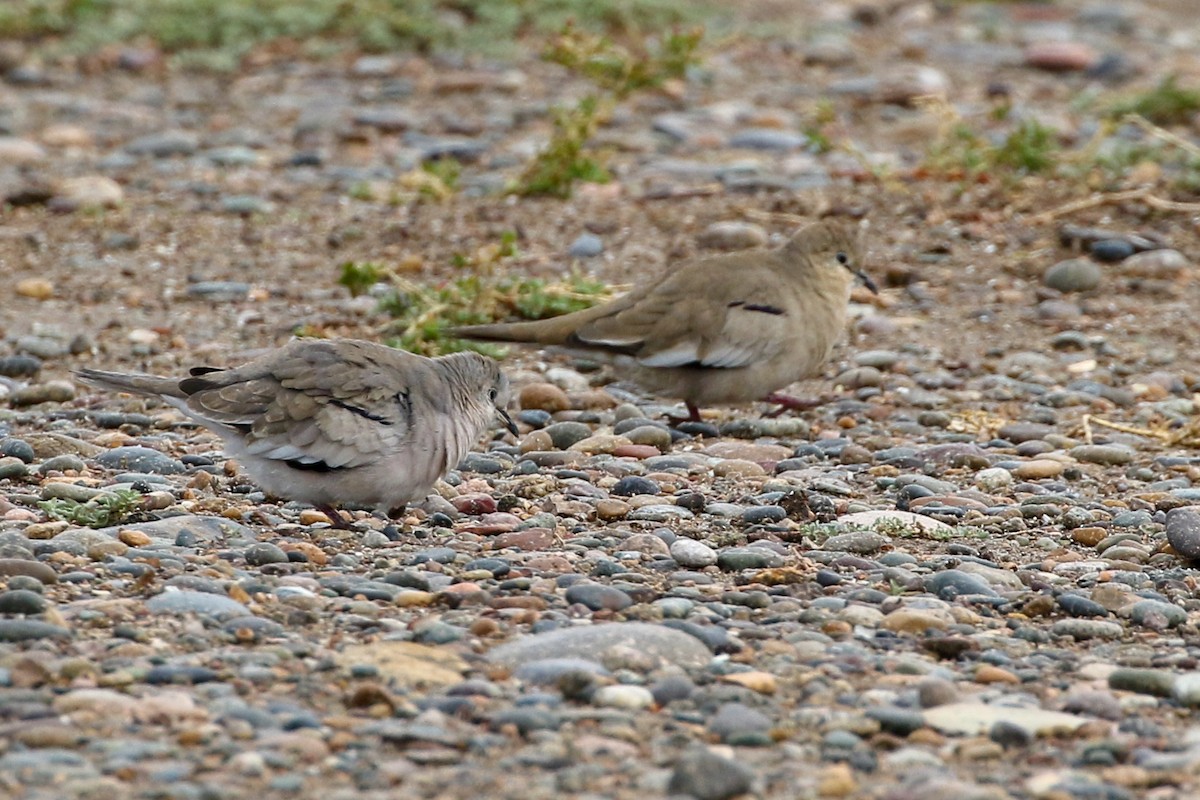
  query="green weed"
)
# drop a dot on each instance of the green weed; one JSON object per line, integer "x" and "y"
{"x": 110, "y": 508}
{"x": 617, "y": 72}
{"x": 1168, "y": 103}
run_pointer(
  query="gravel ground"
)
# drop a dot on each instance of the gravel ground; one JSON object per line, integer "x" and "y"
{"x": 968, "y": 577}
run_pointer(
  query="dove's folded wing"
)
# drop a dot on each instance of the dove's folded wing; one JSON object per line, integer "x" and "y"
{"x": 729, "y": 326}
{"x": 316, "y": 409}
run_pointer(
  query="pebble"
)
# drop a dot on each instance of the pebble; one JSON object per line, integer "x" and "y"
{"x": 1074, "y": 275}
{"x": 732, "y": 235}
{"x": 705, "y": 775}
{"x": 1183, "y": 531}
{"x": 140, "y": 459}
{"x": 586, "y": 245}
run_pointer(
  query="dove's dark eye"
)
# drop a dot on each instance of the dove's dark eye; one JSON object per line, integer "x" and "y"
{"x": 492, "y": 394}
{"x": 842, "y": 258}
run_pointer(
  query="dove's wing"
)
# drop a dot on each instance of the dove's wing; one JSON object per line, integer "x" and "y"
{"x": 715, "y": 315}
{"x": 317, "y": 404}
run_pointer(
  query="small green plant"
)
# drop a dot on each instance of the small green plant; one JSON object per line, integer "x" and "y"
{"x": 360, "y": 276}
{"x": 425, "y": 314}
{"x": 960, "y": 151}
{"x": 617, "y": 72}
{"x": 566, "y": 159}
{"x": 446, "y": 170}
{"x": 109, "y": 508}
{"x": 1031, "y": 148}
{"x": 1168, "y": 103}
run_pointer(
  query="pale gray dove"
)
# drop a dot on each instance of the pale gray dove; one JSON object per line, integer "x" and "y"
{"x": 328, "y": 422}
{"x": 721, "y": 329}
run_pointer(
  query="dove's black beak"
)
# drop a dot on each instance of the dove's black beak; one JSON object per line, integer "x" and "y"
{"x": 867, "y": 282}
{"x": 508, "y": 421}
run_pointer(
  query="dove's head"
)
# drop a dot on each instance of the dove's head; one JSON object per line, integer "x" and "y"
{"x": 833, "y": 249}
{"x": 485, "y": 383}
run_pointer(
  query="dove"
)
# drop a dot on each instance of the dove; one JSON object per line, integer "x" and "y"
{"x": 341, "y": 421}
{"x": 722, "y": 329}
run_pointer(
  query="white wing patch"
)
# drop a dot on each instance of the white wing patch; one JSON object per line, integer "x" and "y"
{"x": 730, "y": 355}
{"x": 679, "y": 355}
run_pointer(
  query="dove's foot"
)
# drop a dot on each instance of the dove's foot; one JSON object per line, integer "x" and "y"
{"x": 693, "y": 415}
{"x": 335, "y": 517}
{"x": 787, "y": 402}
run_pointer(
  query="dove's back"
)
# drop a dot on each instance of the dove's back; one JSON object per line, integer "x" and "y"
{"x": 337, "y": 421}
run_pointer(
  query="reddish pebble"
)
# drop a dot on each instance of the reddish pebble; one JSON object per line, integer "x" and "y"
{"x": 475, "y": 503}
{"x": 493, "y": 523}
{"x": 638, "y": 451}
{"x": 530, "y": 539}
{"x": 1061, "y": 56}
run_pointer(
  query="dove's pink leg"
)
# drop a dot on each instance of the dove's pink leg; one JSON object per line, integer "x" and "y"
{"x": 787, "y": 402}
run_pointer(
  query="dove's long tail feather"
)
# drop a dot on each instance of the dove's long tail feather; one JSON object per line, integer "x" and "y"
{"x": 556, "y": 330}
{"x": 133, "y": 383}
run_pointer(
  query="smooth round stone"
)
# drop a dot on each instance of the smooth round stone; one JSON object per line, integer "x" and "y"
{"x": 623, "y": 696}
{"x": 705, "y": 775}
{"x": 22, "y": 601}
{"x": 672, "y": 688}
{"x": 1083, "y": 629}
{"x": 732, "y": 235}
{"x": 257, "y": 555}
{"x": 139, "y": 459}
{"x": 650, "y": 435}
{"x": 735, "y": 559}
{"x": 1108, "y": 454}
{"x": 1074, "y": 275}
{"x": 62, "y": 463}
{"x": 1080, "y": 606}
{"x": 958, "y": 582}
{"x": 543, "y": 397}
{"x": 767, "y": 139}
{"x": 565, "y": 434}
{"x": 188, "y": 602}
{"x": 1157, "y": 614}
{"x": 993, "y": 479}
{"x": 1183, "y": 531}
{"x": 586, "y": 245}
{"x": 1007, "y": 733}
{"x": 674, "y": 607}
{"x": 23, "y": 630}
{"x": 763, "y": 515}
{"x": 1039, "y": 468}
{"x": 1111, "y": 251}
{"x": 936, "y": 692}
{"x": 1157, "y": 682}
{"x": 632, "y": 485}
{"x": 12, "y": 468}
{"x": 534, "y": 417}
{"x": 481, "y": 463}
{"x": 26, "y": 583}
{"x": 17, "y": 448}
{"x": 1186, "y": 689}
{"x": 596, "y": 596}
{"x": 692, "y": 554}
{"x": 660, "y": 513}
{"x": 27, "y": 567}
{"x": 857, "y": 542}
{"x": 733, "y": 719}
{"x": 899, "y": 721}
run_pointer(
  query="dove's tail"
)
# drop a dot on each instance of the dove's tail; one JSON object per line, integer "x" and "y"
{"x": 133, "y": 383}
{"x": 553, "y": 331}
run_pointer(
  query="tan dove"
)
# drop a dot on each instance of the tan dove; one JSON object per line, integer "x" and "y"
{"x": 722, "y": 329}
{"x": 328, "y": 422}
